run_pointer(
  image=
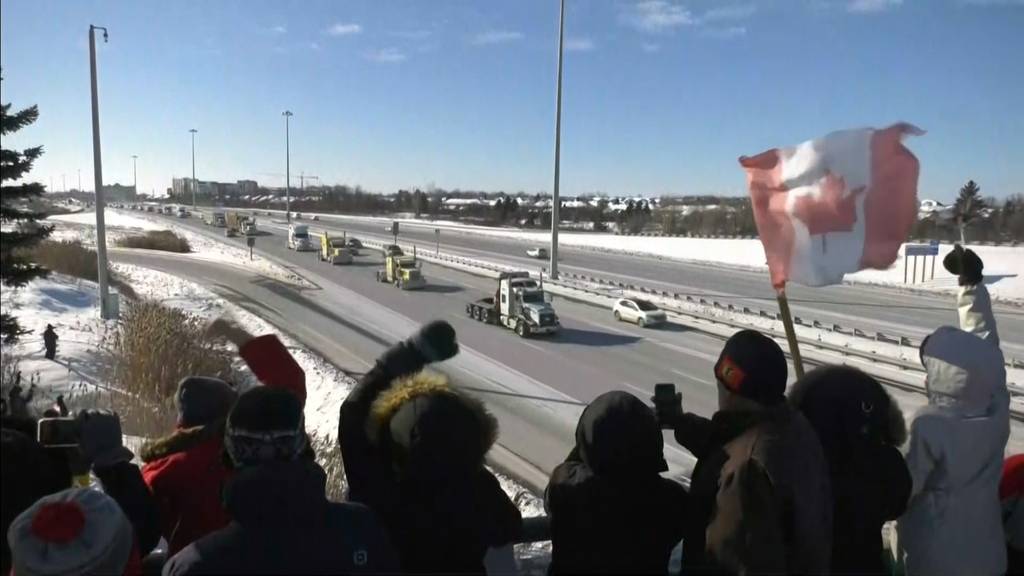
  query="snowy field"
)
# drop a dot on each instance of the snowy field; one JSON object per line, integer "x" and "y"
{"x": 119, "y": 224}
{"x": 1004, "y": 265}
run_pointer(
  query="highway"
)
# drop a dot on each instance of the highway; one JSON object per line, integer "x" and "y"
{"x": 869, "y": 308}
{"x": 535, "y": 387}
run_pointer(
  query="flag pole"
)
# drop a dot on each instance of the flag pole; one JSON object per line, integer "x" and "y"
{"x": 787, "y": 322}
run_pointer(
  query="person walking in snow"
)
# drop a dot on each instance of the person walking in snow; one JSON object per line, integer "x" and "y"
{"x": 953, "y": 523}
{"x": 610, "y": 509}
{"x": 413, "y": 451}
{"x": 760, "y": 499}
{"x": 282, "y": 522}
{"x": 860, "y": 428}
{"x": 50, "y": 342}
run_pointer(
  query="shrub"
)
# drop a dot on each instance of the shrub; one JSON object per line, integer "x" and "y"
{"x": 157, "y": 240}
{"x": 73, "y": 259}
{"x": 153, "y": 348}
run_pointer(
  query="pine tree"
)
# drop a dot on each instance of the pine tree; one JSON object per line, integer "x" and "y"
{"x": 968, "y": 205}
{"x": 20, "y": 228}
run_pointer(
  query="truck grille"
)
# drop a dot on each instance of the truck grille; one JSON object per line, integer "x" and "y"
{"x": 547, "y": 319}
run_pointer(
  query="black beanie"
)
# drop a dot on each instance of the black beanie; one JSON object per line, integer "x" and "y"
{"x": 265, "y": 425}
{"x": 753, "y": 365}
{"x": 202, "y": 400}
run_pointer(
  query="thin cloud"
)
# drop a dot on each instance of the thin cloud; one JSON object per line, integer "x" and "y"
{"x": 724, "y": 33}
{"x": 736, "y": 12}
{"x": 344, "y": 29}
{"x": 650, "y": 48}
{"x": 872, "y": 6}
{"x": 386, "y": 55}
{"x": 579, "y": 44}
{"x": 657, "y": 16}
{"x": 412, "y": 34}
{"x": 279, "y": 30}
{"x": 497, "y": 37}
{"x": 315, "y": 46}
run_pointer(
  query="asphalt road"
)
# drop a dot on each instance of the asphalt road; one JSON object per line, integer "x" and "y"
{"x": 869, "y": 308}
{"x": 535, "y": 387}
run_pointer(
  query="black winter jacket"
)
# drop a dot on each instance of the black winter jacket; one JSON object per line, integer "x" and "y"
{"x": 442, "y": 508}
{"x": 283, "y": 524}
{"x": 611, "y": 511}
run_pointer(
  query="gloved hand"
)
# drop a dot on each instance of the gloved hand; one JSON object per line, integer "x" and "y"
{"x": 965, "y": 264}
{"x": 99, "y": 438}
{"x": 435, "y": 341}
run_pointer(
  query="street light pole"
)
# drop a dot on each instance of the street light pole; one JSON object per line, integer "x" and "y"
{"x": 101, "y": 230}
{"x": 195, "y": 183}
{"x": 555, "y": 202}
{"x": 135, "y": 176}
{"x": 79, "y": 179}
{"x": 287, "y": 168}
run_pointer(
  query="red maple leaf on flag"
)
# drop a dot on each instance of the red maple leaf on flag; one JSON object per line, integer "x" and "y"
{"x": 831, "y": 210}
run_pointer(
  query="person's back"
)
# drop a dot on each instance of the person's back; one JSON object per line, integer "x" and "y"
{"x": 760, "y": 498}
{"x": 860, "y": 427}
{"x": 281, "y": 520}
{"x": 185, "y": 470}
{"x": 953, "y": 522}
{"x": 610, "y": 509}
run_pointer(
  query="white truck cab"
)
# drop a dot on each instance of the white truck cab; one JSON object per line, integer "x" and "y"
{"x": 298, "y": 238}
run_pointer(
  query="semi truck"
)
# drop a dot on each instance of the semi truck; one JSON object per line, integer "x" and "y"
{"x": 236, "y": 223}
{"x": 334, "y": 250}
{"x": 519, "y": 304}
{"x": 402, "y": 271}
{"x": 215, "y": 218}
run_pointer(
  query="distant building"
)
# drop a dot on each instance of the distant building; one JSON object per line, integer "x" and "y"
{"x": 118, "y": 193}
{"x": 183, "y": 187}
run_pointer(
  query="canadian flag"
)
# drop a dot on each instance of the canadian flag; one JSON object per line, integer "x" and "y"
{"x": 834, "y": 205}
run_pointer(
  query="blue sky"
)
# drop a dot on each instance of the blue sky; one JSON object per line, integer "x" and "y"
{"x": 660, "y": 97}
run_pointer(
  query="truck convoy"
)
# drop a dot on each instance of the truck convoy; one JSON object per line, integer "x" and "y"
{"x": 334, "y": 250}
{"x": 519, "y": 305}
{"x": 401, "y": 270}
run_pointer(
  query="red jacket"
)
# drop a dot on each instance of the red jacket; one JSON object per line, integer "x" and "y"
{"x": 186, "y": 471}
{"x": 186, "y": 474}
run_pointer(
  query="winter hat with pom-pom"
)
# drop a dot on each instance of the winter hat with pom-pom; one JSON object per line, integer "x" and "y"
{"x": 75, "y": 531}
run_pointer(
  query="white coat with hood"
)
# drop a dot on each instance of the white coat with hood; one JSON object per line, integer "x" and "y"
{"x": 953, "y": 523}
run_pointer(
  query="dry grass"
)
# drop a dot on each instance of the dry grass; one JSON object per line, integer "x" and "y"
{"x": 152, "y": 350}
{"x": 328, "y": 455}
{"x": 74, "y": 259}
{"x": 157, "y": 240}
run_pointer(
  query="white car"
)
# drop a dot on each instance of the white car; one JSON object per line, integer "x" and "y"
{"x": 640, "y": 312}
{"x": 537, "y": 253}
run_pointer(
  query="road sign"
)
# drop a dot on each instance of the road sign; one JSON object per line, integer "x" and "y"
{"x": 394, "y": 228}
{"x": 921, "y": 250}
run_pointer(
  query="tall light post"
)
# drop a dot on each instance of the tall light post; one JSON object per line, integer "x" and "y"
{"x": 555, "y": 202}
{"x": 287, "y": 168}
{"x": 135, "y": 176}
{"x": 101, "y": 230}
{"x": 63, "y": 183}
{"x": 195, "y": 183}
{"x": 79, "y": 179}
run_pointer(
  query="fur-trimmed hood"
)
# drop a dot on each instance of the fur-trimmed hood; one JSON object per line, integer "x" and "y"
{"x": 430, "y": 429}
{"x": 849, "y": 410}
{"x": 181, "y": 440}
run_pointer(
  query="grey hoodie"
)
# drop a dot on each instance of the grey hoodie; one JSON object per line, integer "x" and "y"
{"x": 953, "y": 522}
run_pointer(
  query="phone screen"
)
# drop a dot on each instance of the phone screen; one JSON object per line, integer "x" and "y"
{"x": 58, "y": 432}
{"x": 664, "y": 392}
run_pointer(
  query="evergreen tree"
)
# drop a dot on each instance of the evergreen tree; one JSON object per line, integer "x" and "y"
{"x": 20, "y": 222}
{"x": 968, "y": 206}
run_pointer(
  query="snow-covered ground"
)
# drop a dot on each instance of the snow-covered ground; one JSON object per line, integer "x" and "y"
{"x": 1004, "y": 265}
{"x": 119, "y": 224}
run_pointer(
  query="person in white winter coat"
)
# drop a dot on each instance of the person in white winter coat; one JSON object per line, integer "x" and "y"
{"x": 953, "y": 523}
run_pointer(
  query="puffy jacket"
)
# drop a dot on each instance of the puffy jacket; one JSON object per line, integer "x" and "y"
{"x": 283, "y": 524}
{"x": 185, "y": 473}
{"x": 974, "y": 309}
{"x": 953, "y": 523}
{"x": 443, "y": 509}
{"x": 611, "y": 511}
{"x": 860, "y": 427}
{"x": 760, "y": 499}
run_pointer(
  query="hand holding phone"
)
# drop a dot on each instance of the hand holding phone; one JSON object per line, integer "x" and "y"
{"x": 668, "y": 404}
